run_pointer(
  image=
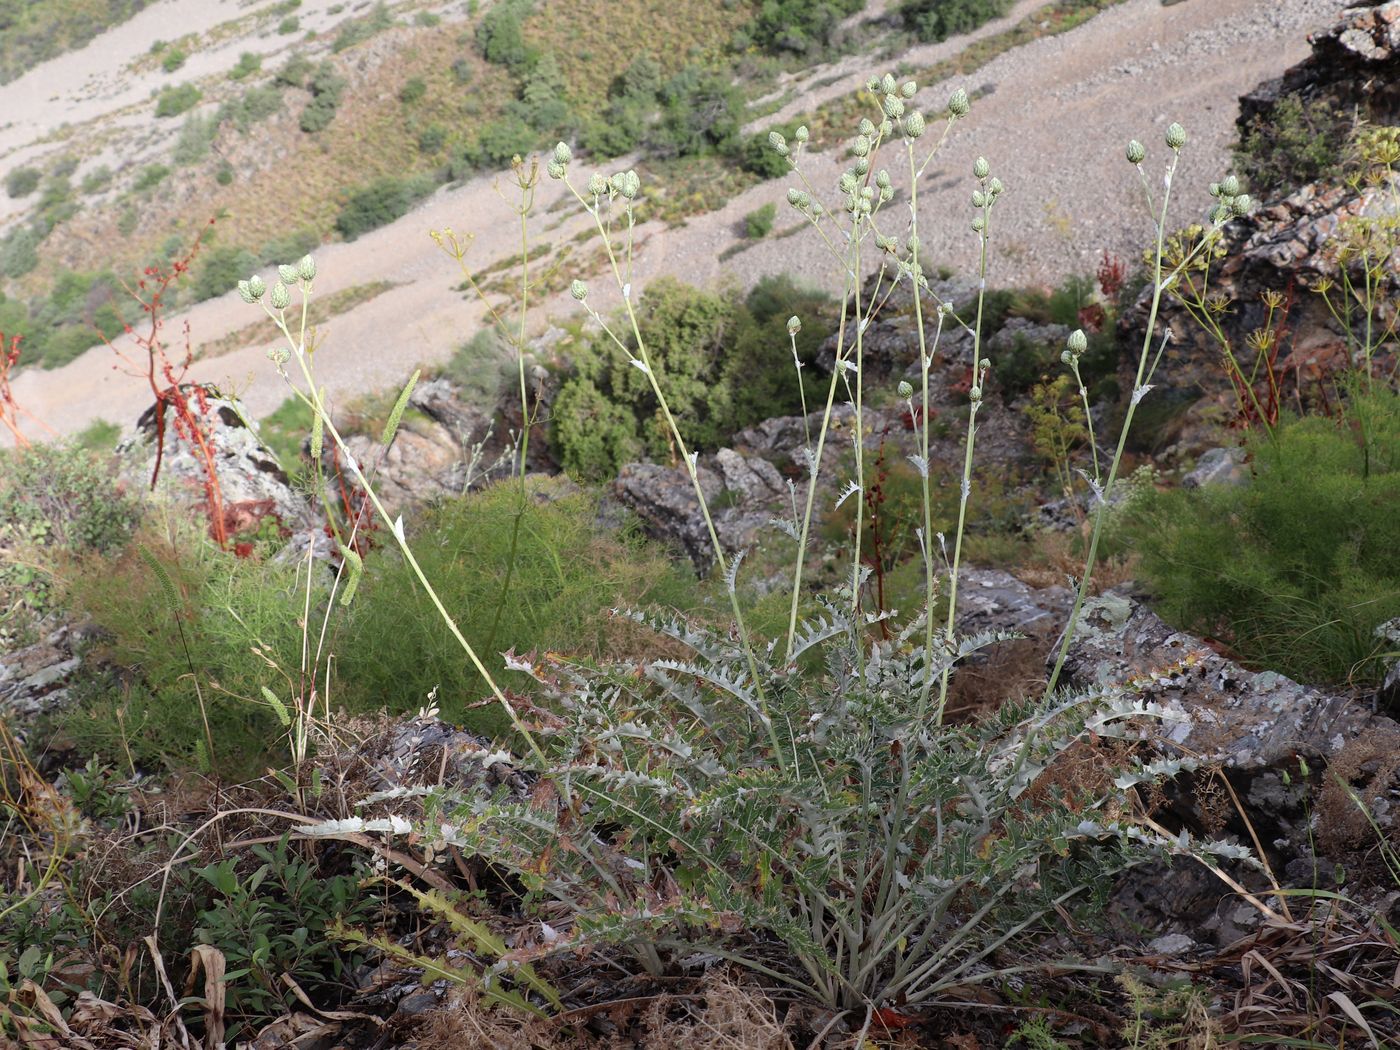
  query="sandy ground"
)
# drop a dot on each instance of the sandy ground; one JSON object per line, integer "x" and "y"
{"x": 1053, "y": 119}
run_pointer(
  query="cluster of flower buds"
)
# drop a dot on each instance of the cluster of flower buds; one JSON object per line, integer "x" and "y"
{"x": 254, "y": 288}
{"x": 778, "y": 143}
{"x": 975, "y": 393}
{"x": 1231, "y": 203}
{"x": 1075, "y": 346}
{"x": 986, "y": 195}
{"x": 802, "y": 201}
{"x": 625, "y": 184}
{"x": 558, "y": 165}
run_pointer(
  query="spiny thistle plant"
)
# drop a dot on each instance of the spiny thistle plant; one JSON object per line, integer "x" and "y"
{"x": 801, "y": 806}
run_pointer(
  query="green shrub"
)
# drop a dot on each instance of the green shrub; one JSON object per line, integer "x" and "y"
{"x": 380, "y": 203}
{"x": 759, "y": 222}
{"x": 290, "y": 24}
{"x": 55, "y": 500}
{"x": 568, "y": 574}
{"x": 1296, "y": 568}
{"x": 248, "y": 64}
{"x": 32, "y": 33}
{"x": 151, "y": 176}
{"x": 432, "y": 139}
{"x": 225, "y": 174}
{"x": 326, "y": 87}
{"x": 100, "y": 435}
{"x": 499, "y": 36}
{"x": 252, "y": 107}
{"x": 413, "y": 91}
{"x": 19, "y": 250}
{"x": 295, "y": 72}
{"x": 361, "y": 29}
{"x": 196, "y": 648}
{"x": 937, "y": 20}
{"x": 173, "y": 60}
{"x": 196, "y": 136}
{"x": 176, "y": 100}
{"x": 22, "y": 181}
{"x": 797, "y": 26}
{"x": 1298, "y": 142}
{"x": 97, "y": 180}
{"x": 728, "y": 363}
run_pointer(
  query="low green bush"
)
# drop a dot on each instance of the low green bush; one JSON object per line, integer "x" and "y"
{"x": 173, "y": 60}
{"x": 187, "y": 665}
{"x": 1296, "y": 568}
{"x": 413, "y": 90}
{"x": 759, "y": 222}
{"x": 97, "y": 180}
{"x": 326, "y": 87}
{"x": 361, "y": 29}
{"x": 288, "y": 25}
{"x": 149, "y": 177}
{"x": 795, "y": 26}
{"x": 19, "y": 250}
{"x": 381, "y": 202}
{"x": 728, "y": 361}
{"x": 195, "y": 139}
{"x": 22, "y": 181}
{"x": 176, "y": 100}
{"x": 252, "y": 107}
{"x": 1299, "y": 141}
{"x": 568, "y": 573}
{"x": 936, "y": 20}
{"x": 60, "y": 500}
{"x": 248, "y": 64}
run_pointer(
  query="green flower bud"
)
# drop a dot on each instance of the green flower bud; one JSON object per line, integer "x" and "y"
{"x": 887, "y": 195}
{"x": 979, "y": 223}
{"x": 578, "y": 290}
{"x": 256, "y": 286}
{"x": 882, "y": 178}
{"x": 280, "y": 297}
{"x": 629, "y": 184}
{"x": 802, "y": 134}
{"x": 1230, "y": 186}
{"x": 1214, "y": 189}
{"x": 1136, "y": 152}
{"x": 1077, "y": 342}
{"x": 278, "y": 355}
{"x": 245, "y": 293}
{"x": 867, "y": 193}
{"x": 886, "y": 129}
{"x": 847, "y": 183}
{"x": 893, "y": 106}
{"x": 1176, "y": 136}
{"x": 861, "y": 165}
{"x": 861, "y": 146}
{"x": 288, "y": 273}
{"x": 914, "y": 244}
{"x": 887, "y": 84}
{"x": 909, "y": 89}
{"x": 980, "y": 168}
{"x": 1066, "y": 357}
{"x": 562, "y": 153}
{"x": 975, "y": 394}
{"x": 905, "y": 390}
{"x": 914, "y": 125}
{"x": 798, "y": 199}
{"x": 597, "y": 185}
{"x": 1240, "y": 205}
{"x": 556, "y": 170}
{"x": 995, "y": 187}
{"x": 979, "y": 199}
{"x": 865, "y": 127}
{"x": 778, "y": 144}
{"x": 794, "y": 324}
{"x": 306, "y": 269}
{"x": 958, "y": 104}
{"x": 872, "y": 84}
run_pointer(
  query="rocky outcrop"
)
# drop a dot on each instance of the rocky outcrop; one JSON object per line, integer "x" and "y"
{"x": 1354, "y": 65}
{"x": 252, "y": 483}
{"x": 34, "y": 680}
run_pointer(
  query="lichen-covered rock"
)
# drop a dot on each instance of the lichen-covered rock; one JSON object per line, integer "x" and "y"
{"x": 1242, "y": 719}
{"x": 34, "y": 680}
{"x": 251, "y": 482}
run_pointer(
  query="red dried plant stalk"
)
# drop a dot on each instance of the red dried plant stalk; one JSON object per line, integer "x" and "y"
{"x": 187, "y": 402}
{"x": 10, "y": 408}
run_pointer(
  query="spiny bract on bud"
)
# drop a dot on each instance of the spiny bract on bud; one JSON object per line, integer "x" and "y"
{"x": 288, "y": 273}
{"x": 256, "y": 286}
{"x": 802, "y": 134}
{"x": 980, "y": 168}
{"x": 306, "y": 269}
{"x": 1077, "y": 342}
{"x": 578, "y": 290}
{"x": 887, "y": 84}
{"x": 562, "y": 153}
{"x": 597, "y": 185}
{"x": 280, "y": 297}
{"x": 958, "y": 104}
{"x": 1136, "y": 152}
{"x": 908, "y": 89}
{"x": 914, "y": 125}
{"x": 794, "y": 324}
{"x": 905, "y": 390}
{"x": 1176, "y": 136}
